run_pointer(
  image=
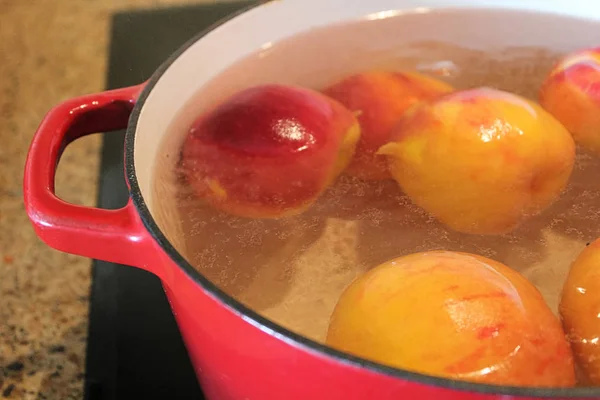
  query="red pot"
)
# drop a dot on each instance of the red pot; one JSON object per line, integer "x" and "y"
{"x": 239, "y": 354}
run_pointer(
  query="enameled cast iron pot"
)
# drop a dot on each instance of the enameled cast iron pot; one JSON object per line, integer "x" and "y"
{"x": 236, "y": 353}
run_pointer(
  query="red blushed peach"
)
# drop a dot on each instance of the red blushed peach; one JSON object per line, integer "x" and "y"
{"x": 379, "y": 99}
{"x": 453, "y": 315}
{"x": 480, "y": 160}
{"x": 572, "y": 94}
{"x": 580, "y": 311}
{"x": 269, "y": 151}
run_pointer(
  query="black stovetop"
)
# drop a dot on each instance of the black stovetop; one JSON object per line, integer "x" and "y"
{"x": 134, "y": 347}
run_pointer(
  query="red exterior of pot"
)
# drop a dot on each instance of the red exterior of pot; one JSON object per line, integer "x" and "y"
{"x": 234, "y": 357}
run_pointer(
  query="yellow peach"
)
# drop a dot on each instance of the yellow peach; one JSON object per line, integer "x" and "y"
{"x": 480, "y": 160}
{"x": 379, "y": 98}
{"x": 453, "y": 315}
{"x": 571, "y": 93}
{"x": 580, "y": 311}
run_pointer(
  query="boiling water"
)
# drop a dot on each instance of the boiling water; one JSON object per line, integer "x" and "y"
{"x": 293, "y": 270}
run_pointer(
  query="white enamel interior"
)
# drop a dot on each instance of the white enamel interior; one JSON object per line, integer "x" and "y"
{"x": 264, "y": 26}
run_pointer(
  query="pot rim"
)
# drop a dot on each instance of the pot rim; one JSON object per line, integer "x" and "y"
{"x": 267, "y": 325}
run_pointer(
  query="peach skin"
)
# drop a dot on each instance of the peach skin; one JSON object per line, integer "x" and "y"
{"x": 480, "y": 160}
{"x": 453, "y": 315}
{"x": 269, "y": 151}
{"x": 571, "y": 93}
{"x": 580, "y": 311}
{"x": 379, "y": 98}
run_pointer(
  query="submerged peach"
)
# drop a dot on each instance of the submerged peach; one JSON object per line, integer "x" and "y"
{"x": 480, "y": 160}
{"x": 453, "y": 315}
{"x": 580, "y": 311}
{"x": 379, "y": 98}
{"x": 269, "y": 151}
{"x": 571, "y": 93}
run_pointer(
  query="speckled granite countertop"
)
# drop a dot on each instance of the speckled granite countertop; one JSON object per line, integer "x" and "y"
{"x": 49, "y": 51}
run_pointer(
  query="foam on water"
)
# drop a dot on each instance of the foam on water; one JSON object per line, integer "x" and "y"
{"x": 293, "y": 270}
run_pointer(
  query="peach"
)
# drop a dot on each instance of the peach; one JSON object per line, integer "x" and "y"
{"x": 453, "y": 315}
{"x": 580, "y": 311}
{"x": 379, "y": 98}
{"x": 571, "y": 93}
{"x": 480, "y": 160}
{"x": 269, "y": 151}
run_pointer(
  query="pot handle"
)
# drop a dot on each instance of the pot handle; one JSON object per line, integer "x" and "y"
{"x": 111, "y": 235}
